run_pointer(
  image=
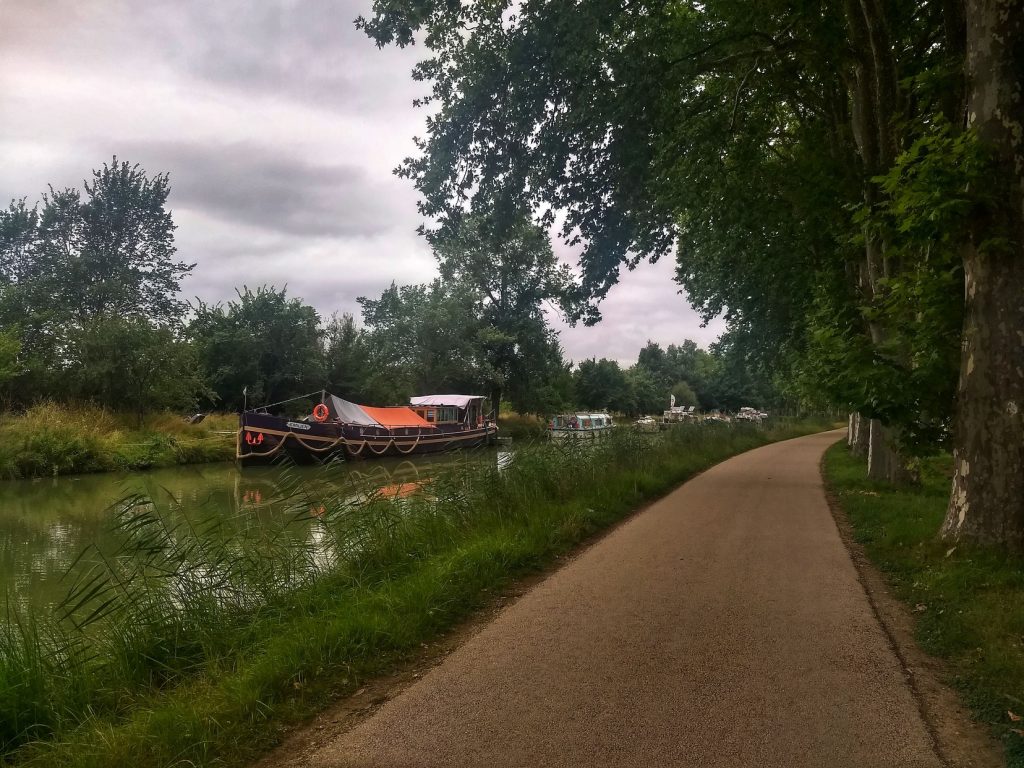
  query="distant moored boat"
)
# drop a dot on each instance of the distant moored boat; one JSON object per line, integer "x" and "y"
{"x": 579, "y": 424}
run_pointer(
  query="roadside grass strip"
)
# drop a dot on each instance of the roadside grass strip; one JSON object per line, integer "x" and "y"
{"x": 188, "y": 648}
{"x": 968, "y": 603}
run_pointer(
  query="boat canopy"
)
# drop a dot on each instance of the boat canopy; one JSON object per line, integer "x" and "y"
{"x": 397, "y": 416}
{"x": 350, "y": 413}
{"x": 458, "y": 401}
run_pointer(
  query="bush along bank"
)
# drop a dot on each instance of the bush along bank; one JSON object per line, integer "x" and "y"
{"x": 199, "y": 649}
{"x": 968, "y": 603}
{"x": 51, "y": 439}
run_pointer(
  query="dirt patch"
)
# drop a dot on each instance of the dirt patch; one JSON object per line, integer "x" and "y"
{"x": 959, "y": 740}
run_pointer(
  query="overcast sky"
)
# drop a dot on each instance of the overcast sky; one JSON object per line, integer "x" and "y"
{"x": 279, "y": 124}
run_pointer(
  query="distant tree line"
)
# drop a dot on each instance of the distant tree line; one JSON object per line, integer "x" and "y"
{"x": 91, "y": 311}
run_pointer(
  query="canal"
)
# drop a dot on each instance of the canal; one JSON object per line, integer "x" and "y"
{"x": 45, "y": 525}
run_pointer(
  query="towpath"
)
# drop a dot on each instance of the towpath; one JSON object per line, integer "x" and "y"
{"x": 723, "y": 626}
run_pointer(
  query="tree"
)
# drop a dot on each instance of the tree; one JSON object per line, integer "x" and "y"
{"x": 741, "y": 377}
{"x": 987, "y": 500}
{"x": 684, "y": 394}
{"x": 602, "y": 384}
{"x": 686, "y": 363}
{"x": 507, "y": 265}
{"x": 265, "y": 343}
{"x": 346, "y": 358}
{"x": 10, "y": 350}
{"x": 648, "y": 394}
{"x": 124, "y": 262}
{"x": 632, "y": 119}
{"x": 82, "y": 256}
{"x": 422, "y": 339}
{"x": 125, "y": 363}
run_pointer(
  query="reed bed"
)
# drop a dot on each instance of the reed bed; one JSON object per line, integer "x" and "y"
{"x": 57, "y": 439}
{"x": 196, "y": 643}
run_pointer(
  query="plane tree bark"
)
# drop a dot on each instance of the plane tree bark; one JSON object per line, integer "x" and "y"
{"x": 987, "y": 500}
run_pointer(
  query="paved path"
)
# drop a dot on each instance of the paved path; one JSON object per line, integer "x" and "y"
{"x": 723, "y": 626}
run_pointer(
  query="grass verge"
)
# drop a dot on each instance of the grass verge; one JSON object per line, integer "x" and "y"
{"x": 968, "y": 603}
{"x": 52, "y": 439}
{"x": 183, "y": 648}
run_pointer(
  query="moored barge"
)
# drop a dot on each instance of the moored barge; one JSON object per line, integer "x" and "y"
{"x": 339, "y": 428}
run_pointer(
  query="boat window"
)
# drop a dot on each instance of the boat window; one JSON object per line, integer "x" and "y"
{"x": 431, "y": 416}
{"x": 586, "y": 423}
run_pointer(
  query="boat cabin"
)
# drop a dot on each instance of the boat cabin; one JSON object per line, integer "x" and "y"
{"x": 579, "y": 423}
{"x": 451, "y": 410}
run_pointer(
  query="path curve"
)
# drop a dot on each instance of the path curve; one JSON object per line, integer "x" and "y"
{"x": 723, "y": 626}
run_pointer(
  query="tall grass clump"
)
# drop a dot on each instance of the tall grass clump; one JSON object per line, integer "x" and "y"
{"x": 57, "y": 439}
{"x": 521, "y": 426}
{"x": 192, "y": 642}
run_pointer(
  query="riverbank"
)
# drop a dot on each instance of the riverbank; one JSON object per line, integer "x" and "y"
{"x": 51, "y": 439}
{"x": 210, "y": 660}
{"x": 968, "y": 603}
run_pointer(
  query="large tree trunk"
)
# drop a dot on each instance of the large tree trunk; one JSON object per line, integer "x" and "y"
{"x": 875, "y": 99}
{"x": 860, "y": 439}
{"x": 987, "y": 500}
{"x": 885, "y": 463}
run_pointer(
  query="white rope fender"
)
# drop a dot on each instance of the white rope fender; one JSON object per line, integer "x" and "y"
{"x": 412, "y": 447}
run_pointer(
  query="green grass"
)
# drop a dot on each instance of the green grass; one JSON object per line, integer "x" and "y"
{"x": 52, "y": 439}
{"x": 968, "y": 603}
{"x": 520, "y": 426}
{"x": 199, "y": 649}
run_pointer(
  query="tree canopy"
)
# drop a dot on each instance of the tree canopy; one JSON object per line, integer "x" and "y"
{"x": 817, "y": 169}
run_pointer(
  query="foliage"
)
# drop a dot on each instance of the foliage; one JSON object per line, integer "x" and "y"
{"x": 422, "y": 339}
{"x": 648, "y": 394}
{"x": 603, "y": 385}
{"x": 744, "y": 135}
{"x": 106, "y": 250}
{"x": 508, "y": 267}
{"x": 347, "y": 354}
{"x": 684, "y": 394}
{"x": 686, "y": 363}
{"x": 265, "y": 343}
{"x": 10, "y": 351}
{"x": 126, "y": 363}
{"x": 481, "y": 324}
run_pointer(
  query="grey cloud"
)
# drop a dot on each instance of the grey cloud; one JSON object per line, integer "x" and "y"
{"x": 316, "y": 280}
{"x": 254, "y": 185}
{"x": 299, "y": 50}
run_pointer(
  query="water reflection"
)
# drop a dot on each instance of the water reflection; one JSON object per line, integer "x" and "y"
{"x": 46, "y": 524}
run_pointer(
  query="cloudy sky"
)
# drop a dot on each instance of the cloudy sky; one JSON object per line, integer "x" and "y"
{"x": 279, "y": 124}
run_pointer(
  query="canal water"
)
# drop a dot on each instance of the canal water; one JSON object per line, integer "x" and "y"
{"x": 45, "y": 525}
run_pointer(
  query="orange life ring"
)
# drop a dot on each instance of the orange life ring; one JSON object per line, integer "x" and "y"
{"x": 320, "y": 412}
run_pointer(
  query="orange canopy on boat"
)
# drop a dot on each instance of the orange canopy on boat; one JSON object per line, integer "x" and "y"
{"x": 399, "y": 416}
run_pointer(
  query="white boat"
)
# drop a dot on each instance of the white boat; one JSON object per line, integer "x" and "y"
{"x": 647, "y": 424}
{"x": 746, "y": 413}
{"x": 579, "y": 424}
{"x": 679, "y": 413}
